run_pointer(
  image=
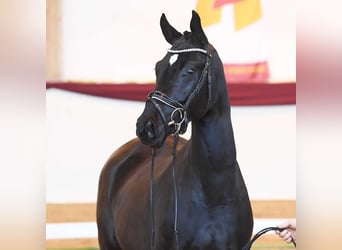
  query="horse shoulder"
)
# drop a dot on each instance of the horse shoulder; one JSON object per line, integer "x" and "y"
{"x": 119, "y": 165}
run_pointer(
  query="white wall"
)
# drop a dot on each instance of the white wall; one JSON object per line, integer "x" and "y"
{"x": 120, "y": 41}
{"x": 82, "y": 131}
{"x": 280, "y": 20}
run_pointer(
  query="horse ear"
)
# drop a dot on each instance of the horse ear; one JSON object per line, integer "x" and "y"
{"x": 196, "y": 28}
{"x": 169, "y": 32}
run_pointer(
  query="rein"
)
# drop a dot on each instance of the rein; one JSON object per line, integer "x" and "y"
{"x": 263, "y": 231}
{"x": 180, "y": 126}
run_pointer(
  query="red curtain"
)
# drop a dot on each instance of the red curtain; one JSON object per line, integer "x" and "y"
{"x": 240, "y": 94}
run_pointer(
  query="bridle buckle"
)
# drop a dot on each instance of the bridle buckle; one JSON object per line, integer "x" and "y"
{"x": 172, "y": 122}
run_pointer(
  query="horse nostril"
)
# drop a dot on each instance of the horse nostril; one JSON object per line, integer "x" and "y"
{"x": 149, "y": 130}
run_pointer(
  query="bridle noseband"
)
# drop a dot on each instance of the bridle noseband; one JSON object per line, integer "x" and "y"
{"x": 157, "y": 97}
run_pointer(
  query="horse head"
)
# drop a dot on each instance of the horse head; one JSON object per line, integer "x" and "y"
{"x": 182, "y": 83}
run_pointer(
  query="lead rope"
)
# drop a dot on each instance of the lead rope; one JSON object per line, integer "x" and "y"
{"x": 261, "y": 232}
{"x": 175, "y": 231}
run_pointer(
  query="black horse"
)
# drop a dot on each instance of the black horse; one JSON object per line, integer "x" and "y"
{"x": 201, "y": 189}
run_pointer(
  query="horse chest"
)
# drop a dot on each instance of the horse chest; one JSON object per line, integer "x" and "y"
{"x": 208, "y": 228}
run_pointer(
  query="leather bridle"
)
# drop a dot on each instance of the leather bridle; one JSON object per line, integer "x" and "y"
{"x": 158, "y": 98}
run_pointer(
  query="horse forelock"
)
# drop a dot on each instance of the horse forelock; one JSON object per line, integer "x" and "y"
{"x": 187, "y": 34}
{"x": 188, "y": 40}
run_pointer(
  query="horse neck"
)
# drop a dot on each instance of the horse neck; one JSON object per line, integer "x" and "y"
{"x": 212, "y": 140}
{"x": 213, "y": 157}
{"x": 213, "y": 143}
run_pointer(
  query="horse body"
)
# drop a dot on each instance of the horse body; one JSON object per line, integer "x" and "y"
{"x": 214, "y": 211}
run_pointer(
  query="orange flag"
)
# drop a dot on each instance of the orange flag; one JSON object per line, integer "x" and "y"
{"x": 236, "y": 29}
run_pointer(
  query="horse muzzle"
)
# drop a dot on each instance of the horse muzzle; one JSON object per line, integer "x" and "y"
{"x": 162, "y": 116}
{"x": 150, "y": 132}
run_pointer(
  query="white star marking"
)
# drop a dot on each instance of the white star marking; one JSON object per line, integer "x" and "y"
{"x": 173, "y": 59}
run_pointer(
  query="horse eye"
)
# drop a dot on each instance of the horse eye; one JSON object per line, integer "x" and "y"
{"x": 190, "y": 71}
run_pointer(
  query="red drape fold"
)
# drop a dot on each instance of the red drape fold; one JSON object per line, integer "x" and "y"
{"x": 240, "y": 94}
